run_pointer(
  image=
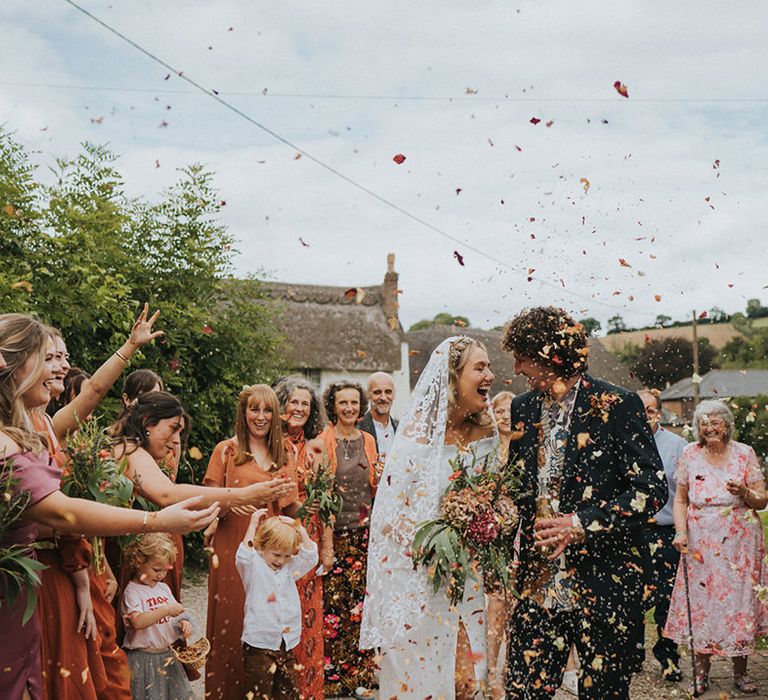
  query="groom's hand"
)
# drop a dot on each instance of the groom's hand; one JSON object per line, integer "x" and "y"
{"x": 556, "y": 534}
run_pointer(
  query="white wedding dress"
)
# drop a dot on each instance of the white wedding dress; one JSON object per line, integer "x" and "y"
{"x": 415, "y": 630}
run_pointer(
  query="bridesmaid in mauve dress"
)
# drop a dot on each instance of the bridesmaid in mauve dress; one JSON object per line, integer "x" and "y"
{"x": 20, "y": 643}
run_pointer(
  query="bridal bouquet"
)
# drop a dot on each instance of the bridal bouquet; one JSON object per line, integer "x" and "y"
{"x": 93, "y": 473}
{"x": 475, "y": 529}
{"x": 322, "y": 496}
{"x": 19, "y": 571}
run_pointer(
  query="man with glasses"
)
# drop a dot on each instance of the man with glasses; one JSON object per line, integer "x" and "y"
{"x": 659, "y": 534}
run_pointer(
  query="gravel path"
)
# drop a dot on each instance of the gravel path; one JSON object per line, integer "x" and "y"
{"x": 647, "y": 685}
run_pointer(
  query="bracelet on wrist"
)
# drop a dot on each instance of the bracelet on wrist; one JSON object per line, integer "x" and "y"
{"x": 122, "y": 357}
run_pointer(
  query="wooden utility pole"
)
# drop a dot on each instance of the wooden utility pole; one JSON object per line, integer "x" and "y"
{"x": 696, "y": 379}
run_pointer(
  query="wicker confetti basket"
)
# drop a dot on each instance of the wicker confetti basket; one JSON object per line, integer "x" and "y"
{"x": 192, "y": 655}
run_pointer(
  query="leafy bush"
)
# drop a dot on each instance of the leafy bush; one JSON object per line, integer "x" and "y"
{"x": 81, "y": 255}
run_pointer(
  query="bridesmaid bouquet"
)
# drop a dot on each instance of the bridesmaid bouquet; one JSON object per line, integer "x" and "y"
{"x": 475, "y": 529}
{"x": 322, "y": 496}
{"x": 18, "y": 570}
{"x": 93, "y": 473}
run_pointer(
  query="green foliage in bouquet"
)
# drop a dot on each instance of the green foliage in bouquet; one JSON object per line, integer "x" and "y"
{"x": 19, "y": 571}
{"x": 94, "y": 474}
{"x": 92, "y": 471}
{"x": 321, "y": 492}
{"x": 475, "y": 529}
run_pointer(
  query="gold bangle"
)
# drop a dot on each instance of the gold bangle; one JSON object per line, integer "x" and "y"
{"x": 122, "y": 357}
{"x": 146, "y": 518}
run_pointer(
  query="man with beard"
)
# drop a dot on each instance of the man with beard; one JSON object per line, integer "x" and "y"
{"x": 592, "y": 477}
{"x": 377, "y": 420}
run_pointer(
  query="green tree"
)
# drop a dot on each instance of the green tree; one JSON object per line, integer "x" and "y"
{"x": 750, "y": 415}
{"x": 748, "y": 351}
{"x": 82, "y": 256}
{"x": 755, "y": 309}
{"x": 668, "y": 360}
{"x": 591, "y": 325}
{"x": 441, "y": 319}
{"x": 663, "y": 320}
{"x": 616, "y": 324}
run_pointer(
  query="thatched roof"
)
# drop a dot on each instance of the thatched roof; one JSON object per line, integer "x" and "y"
{"x": 325, "y": 329}
{"x": 602, "y": 363}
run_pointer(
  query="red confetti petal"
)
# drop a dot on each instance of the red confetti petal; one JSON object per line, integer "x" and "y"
{"x": 624, "y": 263}
{"x": 459, "y": 257}
{"x": 399, "y": 159}
{"x": 207, "y": 329}
{"x": 535, "y": 120}
{"x": 621, "y": 88}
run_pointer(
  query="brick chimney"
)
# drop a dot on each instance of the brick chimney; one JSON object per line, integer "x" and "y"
{"x": 390, "y": 294}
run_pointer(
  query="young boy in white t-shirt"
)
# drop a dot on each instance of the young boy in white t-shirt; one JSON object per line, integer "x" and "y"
{"x": 273, "y": 554}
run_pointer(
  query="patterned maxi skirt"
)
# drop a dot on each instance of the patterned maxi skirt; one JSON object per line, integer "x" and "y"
{"x": 310, "y": 653}
{"x": 347, "y": 667}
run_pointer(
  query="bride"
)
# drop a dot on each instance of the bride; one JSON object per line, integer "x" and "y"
{"x": 427, "y": 646}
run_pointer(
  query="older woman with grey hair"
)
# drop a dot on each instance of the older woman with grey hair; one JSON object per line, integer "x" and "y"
{"x": 720, "y": 487}
{"x": 303, "y": 419}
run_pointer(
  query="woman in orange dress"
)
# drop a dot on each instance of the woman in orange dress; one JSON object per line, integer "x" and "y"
{"x": 352, "y": 456}
{"x": 303, "y": 418}
{"x": 255, "y": 454}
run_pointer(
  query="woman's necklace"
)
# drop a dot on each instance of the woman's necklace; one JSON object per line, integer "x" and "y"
{"x": 345, "y": 445}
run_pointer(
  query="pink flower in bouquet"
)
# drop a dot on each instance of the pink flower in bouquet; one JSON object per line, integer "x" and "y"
{"x": 483, "y": 529}
{"x": 331, "y": 626}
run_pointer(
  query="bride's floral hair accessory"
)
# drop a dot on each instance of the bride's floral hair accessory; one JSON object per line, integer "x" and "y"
{"x": 460, "y": 351}
{"x": 550, "y": 337}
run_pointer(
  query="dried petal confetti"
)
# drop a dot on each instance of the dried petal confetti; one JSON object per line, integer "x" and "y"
{"x": 621, "y": 88}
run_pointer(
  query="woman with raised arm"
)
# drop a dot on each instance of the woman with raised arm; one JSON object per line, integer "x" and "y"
{"x": 74, "y": 596}
{"x": 428, "y": 646}
{"x": 25, "y": 378}
{"x": 254, "y": 455}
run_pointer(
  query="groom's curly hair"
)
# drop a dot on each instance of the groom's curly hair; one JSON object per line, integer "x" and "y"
{"x": 550, "y": 337}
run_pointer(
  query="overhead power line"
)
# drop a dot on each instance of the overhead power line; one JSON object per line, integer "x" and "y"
{"x": 464, "y": 246}
{"x": 266, "y": 93}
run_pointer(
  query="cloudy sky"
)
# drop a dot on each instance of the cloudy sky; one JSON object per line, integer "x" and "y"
{"x": 671, "y": 180}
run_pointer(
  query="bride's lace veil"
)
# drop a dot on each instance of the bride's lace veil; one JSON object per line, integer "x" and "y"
{"x": 409, "y": 493}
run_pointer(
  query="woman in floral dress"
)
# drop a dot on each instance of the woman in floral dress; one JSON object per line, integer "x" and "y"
{"x": 719, "y": 488}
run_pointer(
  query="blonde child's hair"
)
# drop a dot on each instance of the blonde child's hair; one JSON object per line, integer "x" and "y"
{"x": 278, "y": 536}
{"x": 153, "y": 545}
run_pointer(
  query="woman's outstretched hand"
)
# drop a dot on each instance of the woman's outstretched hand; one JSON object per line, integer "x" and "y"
{"x": 186, "y": 516}
{"x": 142, "y": 332}
{"x": 268, "y": 491}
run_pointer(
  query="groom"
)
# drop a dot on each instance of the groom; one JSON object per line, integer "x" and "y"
{"x": 592, "y": 478}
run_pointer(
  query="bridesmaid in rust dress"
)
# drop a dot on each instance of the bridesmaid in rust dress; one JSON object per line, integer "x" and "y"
{"x": 303, "y": 418}
{"x": 256, "y": 454}
{"x": 76, "y": 591}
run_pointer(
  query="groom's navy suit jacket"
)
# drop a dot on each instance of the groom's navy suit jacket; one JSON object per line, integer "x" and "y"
{"x": 615, "y": 482}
